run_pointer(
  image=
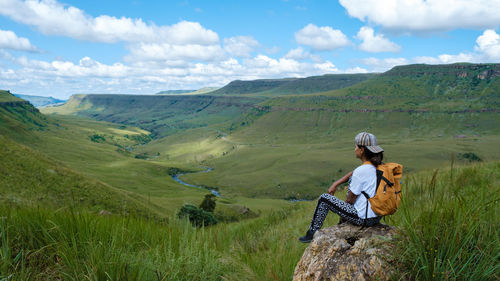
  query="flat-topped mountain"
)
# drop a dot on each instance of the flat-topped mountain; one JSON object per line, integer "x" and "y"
{"x": 292, "y": 86}
{"x": 39, "y": 101}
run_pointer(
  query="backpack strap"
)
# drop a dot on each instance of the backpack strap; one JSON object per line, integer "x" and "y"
{"x": 379, "y": 179}
{"x": 366, "y": 210}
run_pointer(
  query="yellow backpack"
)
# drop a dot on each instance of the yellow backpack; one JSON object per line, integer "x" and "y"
{"x": 388, "y": 192}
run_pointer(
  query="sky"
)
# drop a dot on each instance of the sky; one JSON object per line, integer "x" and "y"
{"x": 60, "y": 48}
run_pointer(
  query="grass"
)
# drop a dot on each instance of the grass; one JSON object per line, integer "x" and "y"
{"x": 298, "y": 154}
{"x": 450, "y": 225}
{"x": 7, "y": 96}
{"x": 260, "y": 149}
{"x": 451, "y": 222}
{"x": 63, "y": 145}
{"x": 279, "y": 146}
{"x": 29, "y": 177}
{"x": 40, "y": 244}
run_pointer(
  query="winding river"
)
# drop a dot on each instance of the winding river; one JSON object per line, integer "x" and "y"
{"x": 177, "y": 179}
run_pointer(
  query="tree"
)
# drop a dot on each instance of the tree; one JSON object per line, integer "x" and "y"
{"x": 208, "y": 203}
{"x": 197, "y": 216}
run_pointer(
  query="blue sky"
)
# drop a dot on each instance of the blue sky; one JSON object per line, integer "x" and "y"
{"x": 59, "y": 48}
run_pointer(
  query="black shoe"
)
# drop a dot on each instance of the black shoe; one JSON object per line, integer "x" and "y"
{"x": 308, "y": 237}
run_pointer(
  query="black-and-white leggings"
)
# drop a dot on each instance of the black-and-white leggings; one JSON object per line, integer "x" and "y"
{"x": 343, "y": 209}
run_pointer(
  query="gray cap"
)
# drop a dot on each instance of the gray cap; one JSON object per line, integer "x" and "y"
{"x": 369, "y": 141}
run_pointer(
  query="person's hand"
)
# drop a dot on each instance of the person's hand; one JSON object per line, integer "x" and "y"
{"x": 332, "y": 189}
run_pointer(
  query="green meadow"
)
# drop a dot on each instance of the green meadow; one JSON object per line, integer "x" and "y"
{"x": 88, "y": 191}
{"x": 448, "y": 218}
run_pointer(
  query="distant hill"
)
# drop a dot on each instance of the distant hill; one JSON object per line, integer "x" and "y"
{"x": 160, "y": 114}
{"x": 292, "y": 86}
{"x": 174, "y": 92}
{"x": 188, "y": 92}
{"x": 239, "y": 87}
{"x": 424, "y": 88}
{"x": 454, "y": 88}
{"x": 39, "y": 101}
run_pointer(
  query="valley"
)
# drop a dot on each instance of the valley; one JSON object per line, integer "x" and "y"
{"x": 294, "y": 146}
{"x": 269, "y": 145}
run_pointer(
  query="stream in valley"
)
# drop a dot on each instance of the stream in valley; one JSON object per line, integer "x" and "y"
{"x": 177, "y": 179}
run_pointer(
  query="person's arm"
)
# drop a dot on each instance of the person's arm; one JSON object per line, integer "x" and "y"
{"x": 351, "y": 198}
{"x": 333, "y": 187}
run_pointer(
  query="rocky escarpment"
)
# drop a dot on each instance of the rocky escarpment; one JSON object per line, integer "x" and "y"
{"x": 348, "y": 252}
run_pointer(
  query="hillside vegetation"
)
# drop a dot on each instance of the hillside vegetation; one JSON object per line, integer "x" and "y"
{"x": 118, "y": 153}
{"x": 104, "y": 154}
{"x": 292, "y": 86}
{"x": 29, "y": 178}
{"x": 162, "y": 115}
{"x": 449, "y": 221}
{"x": 6, "y": 96}
{"x": 293, "y": 146}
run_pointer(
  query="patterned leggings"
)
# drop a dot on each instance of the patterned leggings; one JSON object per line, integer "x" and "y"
{"x": 345, "y": 210}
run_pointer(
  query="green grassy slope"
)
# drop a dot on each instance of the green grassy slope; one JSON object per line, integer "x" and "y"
{"x": 295, "y": 146}
{"x": 161, "y": 115}
{"x": 292, "y": 86}
{"x": 106, "y": 153}
{"x": 445, "y": 88}
{"x": 6, "y": 96}
{"x": 448, "y": 221}
{"x": 28, "y": 177}
{"x": 19, "y": 117}
{"x": 239, "y": 87}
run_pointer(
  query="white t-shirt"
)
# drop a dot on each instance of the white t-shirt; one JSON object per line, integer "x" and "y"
{"x": 364, "y": 178}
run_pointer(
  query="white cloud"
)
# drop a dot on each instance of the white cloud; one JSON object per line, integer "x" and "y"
{"x": 240, "y": 46}
{"x": 9, "y": 40}
{"x": 301, "y": 54}
{"x": 356, "y": 69}
{"x": 489, "y": 44}
{"x": 379, "y": 65}
{"x": 426, "y": 15}
{"x": 322, "y": 38}
{"x": 54, "y": 18}
{"x": 375, "y": 43}
{"x": 61, "y": 78}
{"x": 173, "y": 53}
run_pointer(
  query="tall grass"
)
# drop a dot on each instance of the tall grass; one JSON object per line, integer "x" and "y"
{"x": 42, "y": 244}
{"x": 451, "y": 223}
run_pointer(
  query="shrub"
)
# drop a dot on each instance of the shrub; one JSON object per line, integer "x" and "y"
{"x": 469, "y": 156}
{"x": 198, "y": 217}
{"x": 208, "y": 203}
{"x": 97, "y": 138}
{"x": 143, "y": 156}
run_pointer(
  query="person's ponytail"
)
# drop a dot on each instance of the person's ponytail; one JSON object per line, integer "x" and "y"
{"x": 374, "y": 158}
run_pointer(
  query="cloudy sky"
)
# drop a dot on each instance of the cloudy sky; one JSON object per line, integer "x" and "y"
{"x": 59, "y": 48}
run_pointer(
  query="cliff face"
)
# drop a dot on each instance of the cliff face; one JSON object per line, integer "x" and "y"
{"x": 347, "y": 252}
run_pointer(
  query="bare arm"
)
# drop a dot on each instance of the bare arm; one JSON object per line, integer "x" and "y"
{"x": 351, "y": 198}
{"x": 333, "y": 187}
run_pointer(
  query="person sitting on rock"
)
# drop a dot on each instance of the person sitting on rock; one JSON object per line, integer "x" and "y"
{"x": 363, "y": 178}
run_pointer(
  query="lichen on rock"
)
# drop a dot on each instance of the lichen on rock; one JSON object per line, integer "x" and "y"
{"x": 348, "y": 252}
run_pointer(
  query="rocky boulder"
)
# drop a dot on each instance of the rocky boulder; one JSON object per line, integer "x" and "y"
{"x": 348, "y": 252}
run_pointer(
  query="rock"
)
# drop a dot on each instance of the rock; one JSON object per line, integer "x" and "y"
{"x": 347, "y": 252}
{"x": 104, "y": 213}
